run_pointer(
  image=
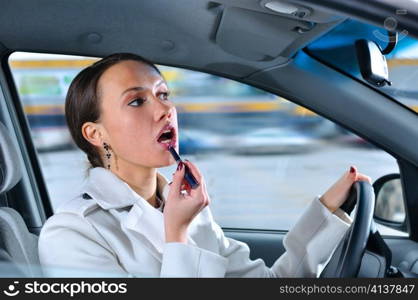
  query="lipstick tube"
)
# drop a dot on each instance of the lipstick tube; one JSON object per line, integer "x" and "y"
{"x": 188, "y": 176}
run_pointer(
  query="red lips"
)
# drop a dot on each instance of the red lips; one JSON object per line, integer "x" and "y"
{"x": 173, "y": 138}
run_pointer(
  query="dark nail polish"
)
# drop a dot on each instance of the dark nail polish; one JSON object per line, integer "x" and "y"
{"x": 352, "y": 170}
{"x": 179, "y": 166}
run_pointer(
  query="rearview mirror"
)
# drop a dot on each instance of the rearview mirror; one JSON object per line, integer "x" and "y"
{"x": 372, "y": 63}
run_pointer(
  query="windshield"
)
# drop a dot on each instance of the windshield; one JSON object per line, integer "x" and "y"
{"x": 337, "y": 49}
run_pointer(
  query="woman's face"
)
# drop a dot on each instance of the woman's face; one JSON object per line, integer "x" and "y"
{"x": 135, "y": 109}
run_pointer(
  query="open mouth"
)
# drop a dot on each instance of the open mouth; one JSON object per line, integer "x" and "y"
{"x": 167, "y": 137}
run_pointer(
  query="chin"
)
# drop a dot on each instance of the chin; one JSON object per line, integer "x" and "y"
{"x": 163, "y": 165}
{"x": 166, "y": 163}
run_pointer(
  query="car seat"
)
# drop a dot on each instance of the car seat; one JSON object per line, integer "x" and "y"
{"x": 18, "y": 247}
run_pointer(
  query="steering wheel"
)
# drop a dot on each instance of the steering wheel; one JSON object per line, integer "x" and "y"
{"x": 346, "y": 259}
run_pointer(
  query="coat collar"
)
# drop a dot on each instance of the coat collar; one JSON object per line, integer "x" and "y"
{"x": 110, "y": 192}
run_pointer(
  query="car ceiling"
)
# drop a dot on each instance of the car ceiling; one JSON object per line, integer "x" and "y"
{"x": 229, "y": 37}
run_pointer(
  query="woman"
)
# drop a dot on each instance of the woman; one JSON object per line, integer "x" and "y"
{"x": 128, "y": 221}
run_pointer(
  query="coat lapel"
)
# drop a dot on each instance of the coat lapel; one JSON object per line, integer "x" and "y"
{"x": 147, "y": 221}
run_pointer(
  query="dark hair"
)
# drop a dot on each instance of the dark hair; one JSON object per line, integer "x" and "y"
{"x": 82, "y": 103}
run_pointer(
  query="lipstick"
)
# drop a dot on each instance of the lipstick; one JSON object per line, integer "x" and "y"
{"x": 191, "y": 180}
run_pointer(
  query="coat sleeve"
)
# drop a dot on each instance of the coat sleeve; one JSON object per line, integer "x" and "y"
{"x": 70, "y": 247}
{"x": 309, "y": 246}
{"x": 311, "y": 242}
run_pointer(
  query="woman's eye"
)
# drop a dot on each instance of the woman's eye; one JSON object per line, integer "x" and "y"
{"x": 137, "y": 102}
{"x": 164, "y": 96}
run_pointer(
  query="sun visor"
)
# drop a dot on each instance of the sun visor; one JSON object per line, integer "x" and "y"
{"x": 258, "y": 36}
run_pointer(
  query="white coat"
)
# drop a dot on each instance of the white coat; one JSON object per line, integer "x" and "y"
{"x": 118, "y": 233}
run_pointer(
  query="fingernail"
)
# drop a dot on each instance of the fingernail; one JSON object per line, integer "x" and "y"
{"x": 180, "y": 166}
{"x": 352, "y": 170}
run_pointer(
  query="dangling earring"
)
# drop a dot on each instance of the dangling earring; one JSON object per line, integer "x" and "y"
{"x": 107, "y": 154}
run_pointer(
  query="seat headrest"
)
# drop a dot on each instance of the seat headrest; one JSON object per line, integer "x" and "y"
{"x": 10, "y": 171}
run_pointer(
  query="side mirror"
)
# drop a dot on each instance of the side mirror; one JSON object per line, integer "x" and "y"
{"x": 389, "y": 206}
{"x": 372, "y": 63}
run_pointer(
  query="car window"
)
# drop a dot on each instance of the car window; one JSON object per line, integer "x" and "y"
{"x": 264, "y": 158}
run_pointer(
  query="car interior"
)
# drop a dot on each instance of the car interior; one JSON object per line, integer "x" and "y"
{"x": 260, "y": 43}
{"x": 19, "y": 253}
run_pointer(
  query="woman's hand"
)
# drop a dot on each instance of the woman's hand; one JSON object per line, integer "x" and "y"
{"x": 182, "y": 206}
{"x": 338, "y": 192}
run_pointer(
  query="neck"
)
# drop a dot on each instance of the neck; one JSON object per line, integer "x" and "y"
{"x": 143, "y": 180}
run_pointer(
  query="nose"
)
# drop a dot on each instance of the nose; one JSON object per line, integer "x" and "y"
{"x": 164, "y": 110}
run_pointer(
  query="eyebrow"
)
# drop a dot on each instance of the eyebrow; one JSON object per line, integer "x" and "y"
{"x": 140, "y": 88}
